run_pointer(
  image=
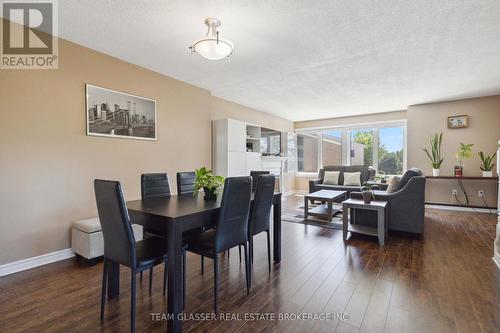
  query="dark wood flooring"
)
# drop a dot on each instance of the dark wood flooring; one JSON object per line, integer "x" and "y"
{"x": 444, "y": 282}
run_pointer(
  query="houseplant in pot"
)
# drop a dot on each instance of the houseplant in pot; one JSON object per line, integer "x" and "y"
{"x": 435, "y": 153}
{"x": 367, "y": 192}
{"x": 464, "y": 152}
{"x": 207, "y": 181}
{"x": 487, "y": 164}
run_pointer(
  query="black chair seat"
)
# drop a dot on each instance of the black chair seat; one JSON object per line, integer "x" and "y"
{"x": 202, "y": 243}
{"x": 151, "y": 251}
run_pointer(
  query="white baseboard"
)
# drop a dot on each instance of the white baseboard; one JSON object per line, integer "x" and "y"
{"x": 44, "y": 259}
{"x": 496, "y": 260}
{"x": 462, "y": 209}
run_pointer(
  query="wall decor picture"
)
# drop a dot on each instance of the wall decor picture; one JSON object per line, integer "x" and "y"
{"x": 458, "y": 121}
{"x": 116, "y": 114}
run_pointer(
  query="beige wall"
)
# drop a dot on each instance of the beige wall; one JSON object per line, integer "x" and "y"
{"x": 48, "y": 163}
{"x": 483, "y": 132}
{"x": 354, "y": 120}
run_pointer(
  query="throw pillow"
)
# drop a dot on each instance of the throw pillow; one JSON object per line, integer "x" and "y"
{"x": 352, "y": 178}
{"x": 394, "y": 184}
{"x": 331, "y": 178}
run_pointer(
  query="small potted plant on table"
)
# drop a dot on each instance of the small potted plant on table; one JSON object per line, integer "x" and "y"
{"x": 207, "y": 181}
{"x": 435, "y": 154}
{"x": 487, "y": 164}
{"x": 464, "y": 152}
{"x": 367, "y": 192}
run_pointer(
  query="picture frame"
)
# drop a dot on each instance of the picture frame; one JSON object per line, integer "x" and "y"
{"x": 461, "y": 121}
{"x": 116, "y": 114}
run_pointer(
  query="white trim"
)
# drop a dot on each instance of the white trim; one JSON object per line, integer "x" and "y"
{"x": 462, "y": 209}
{"x": 496, "y": 261}
{"x": 44, "y": 259}
{"x": 385, "y": 123}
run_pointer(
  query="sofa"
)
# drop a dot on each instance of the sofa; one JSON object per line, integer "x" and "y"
{"x": 367, "y": 174}
{"x": 406, "y": 204}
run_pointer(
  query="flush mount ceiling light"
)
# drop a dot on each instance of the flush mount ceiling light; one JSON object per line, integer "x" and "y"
{"x": 212, "y": 47}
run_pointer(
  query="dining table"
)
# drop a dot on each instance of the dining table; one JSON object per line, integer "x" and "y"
{"x": 173, "y": 216}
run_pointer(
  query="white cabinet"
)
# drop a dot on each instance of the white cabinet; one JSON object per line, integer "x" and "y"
{"x": 253, "y": 162}
{"x": 235, "y": 148}
{"x": 236, "y": 135}
{"x": 236, "y": 163}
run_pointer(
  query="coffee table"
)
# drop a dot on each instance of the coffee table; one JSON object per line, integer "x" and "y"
{"x": 382, "y": 222}
{"x": 323, "y": 210}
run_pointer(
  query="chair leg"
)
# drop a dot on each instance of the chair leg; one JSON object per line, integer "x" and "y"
{"x": 247, "y": 268}
{"x": 239, "y": 250}
{"x": 132, "y": 302}
{"x": 268, "y": 250}
{"x": 143, "y": 237}
{"x": 150, "y": 279}
{"x": 184, "y": 280}
{"x": 228, "y": 252}
{"x": 202, "y": 265}
{"x": 250, "y": 249}
{"x": 216, "y": 283}
{"x": 165, "y": 278}
{"x": 104, "y": 287}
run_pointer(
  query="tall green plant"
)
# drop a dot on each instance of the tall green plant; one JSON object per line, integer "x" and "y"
{"x": 487, "y": 161}
{"x": 435, "y": 154}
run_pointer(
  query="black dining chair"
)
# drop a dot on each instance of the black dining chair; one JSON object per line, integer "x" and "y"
{"x": 260, "y": 213}
{"x": 154, "y": 185}
{"x": 185, "y": 183}
{"x": 231, "y": 228}
{"x": 255, "y": 175}
{"x": 119, "y": 243}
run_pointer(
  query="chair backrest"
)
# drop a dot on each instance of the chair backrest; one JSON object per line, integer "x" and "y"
{"x": 155, "y": 185}
{"x": 119, "y": 241}
{"x": 255, "y": 175}
{"x": 261, "y": 208}
{"x": 232, "y": 224}
{"x": 409, "y": 174}
{"x": 185, "y": 182}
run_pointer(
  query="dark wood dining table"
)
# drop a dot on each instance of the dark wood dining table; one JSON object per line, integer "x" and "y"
{"x": 173, "y": 216}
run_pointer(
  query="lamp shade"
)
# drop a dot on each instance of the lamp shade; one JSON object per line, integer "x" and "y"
{"x": 213, "y": 49}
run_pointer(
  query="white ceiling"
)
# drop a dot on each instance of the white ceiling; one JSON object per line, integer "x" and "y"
{"x": 306, "y": 59}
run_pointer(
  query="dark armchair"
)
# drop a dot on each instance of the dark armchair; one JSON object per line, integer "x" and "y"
{"x": 406, "y": 204}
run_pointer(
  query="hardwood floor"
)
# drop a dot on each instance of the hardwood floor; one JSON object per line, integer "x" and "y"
{"x": 444, "y": 282}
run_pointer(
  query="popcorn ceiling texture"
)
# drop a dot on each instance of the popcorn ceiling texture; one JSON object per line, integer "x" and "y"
{"x": 304, "y": 59}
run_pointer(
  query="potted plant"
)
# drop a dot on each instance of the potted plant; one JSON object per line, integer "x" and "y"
{"x": 207, "y": 181}
{"x": 367, "y": 192}
{"x": 435, "y": 154}
{"x": 464, "y": 152}
{"x": 487, "y": 164}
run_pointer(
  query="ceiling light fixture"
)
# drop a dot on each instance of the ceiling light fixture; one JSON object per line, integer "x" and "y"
{"x": 212, "y": 47}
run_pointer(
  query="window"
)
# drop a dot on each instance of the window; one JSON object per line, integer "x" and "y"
{"x": 390, "y": 150}
{"x": 307, "y": 152}
{"x": 381, "y": 147}
{"x": 331, "y": 148}
{"x": 362, "y": 147}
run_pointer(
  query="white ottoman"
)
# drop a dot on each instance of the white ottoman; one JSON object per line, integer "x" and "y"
{"x": 87, "y": 240}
